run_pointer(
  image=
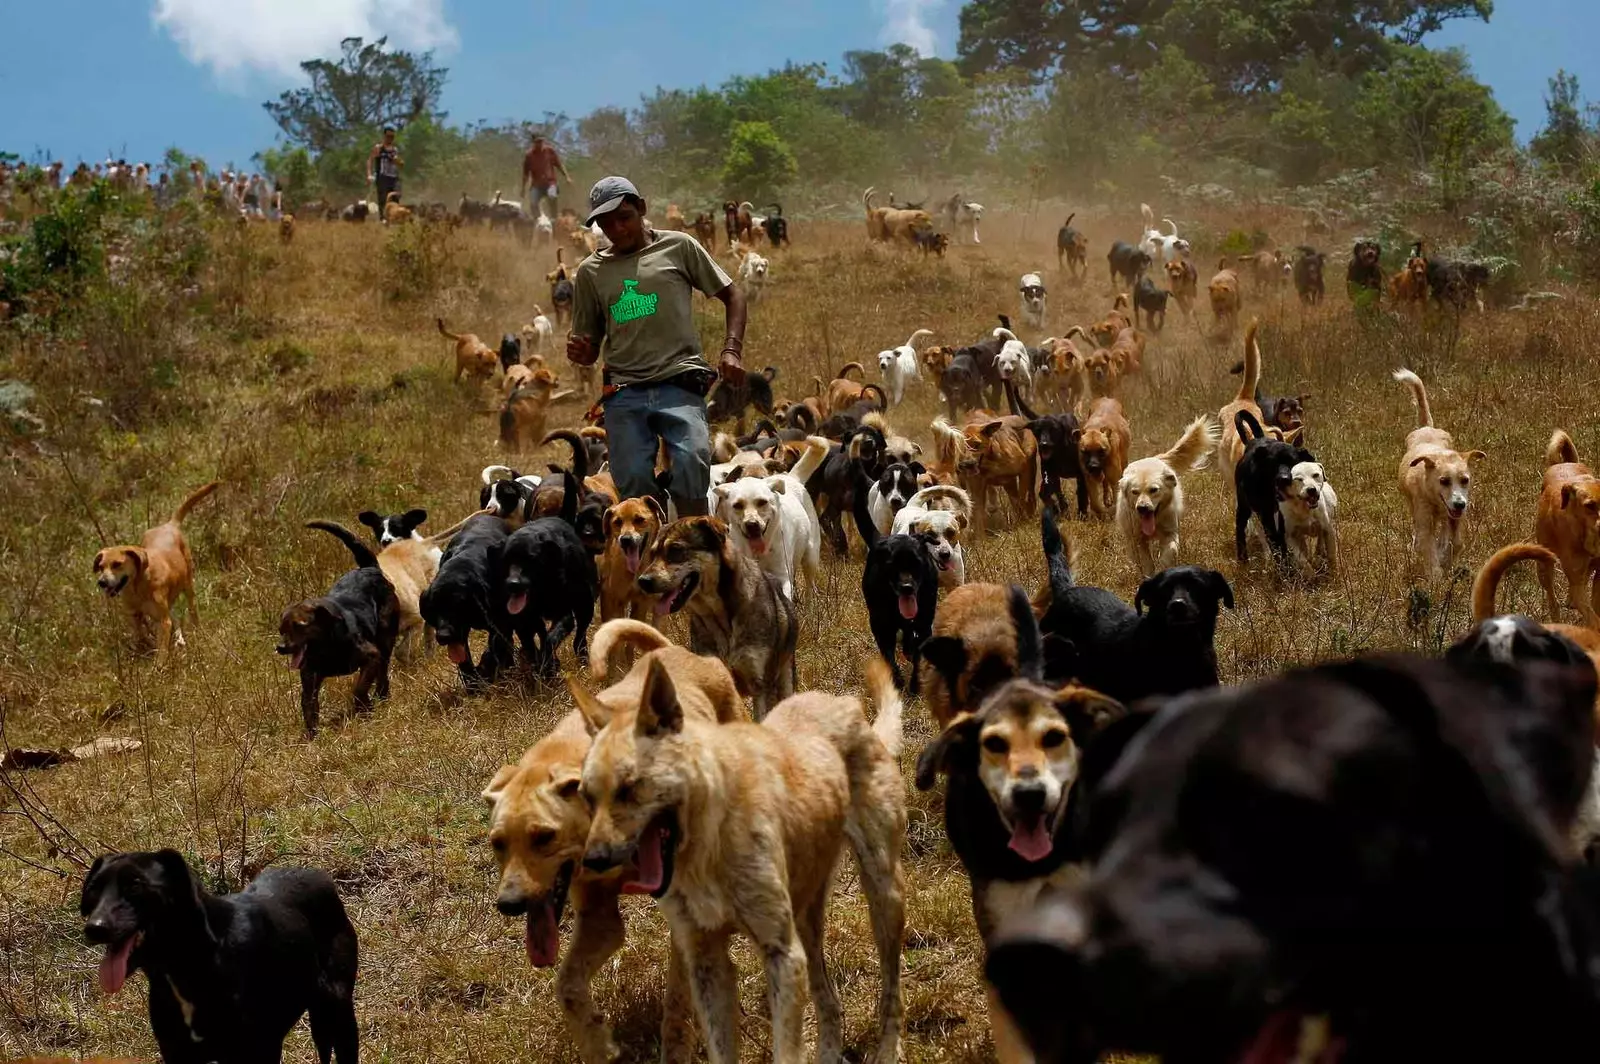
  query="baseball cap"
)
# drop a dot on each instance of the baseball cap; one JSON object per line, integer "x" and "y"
{"x": 607, "y": 196}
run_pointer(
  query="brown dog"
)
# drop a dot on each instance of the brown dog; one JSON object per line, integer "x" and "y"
{"x": 539, "y": 827}
{"x": 473, "y": 357}
{"x": 972, "y": 650}
{"x": 1000, "y": 452}
{"x": 842, "y": 391}
{"x": 1103, "y": 453}
{"x": 1409, "y": 287}
{"x": 286, "y": 229}
{"x": 1128, "y": 350}
{"x": 149, "y": 578}
{"x": 1568, "y": 524}
{"x": 1107, "y": 329}
{"x": 394, "y": 214}
{"x": 1231, "y": 449}
{"x": 523, "y": 414}
{"x": 1225, "y": 301}
{"x": 1065, "y": 380}
{"x": 1436, "y": 480}
{"x": 1183, "y": 281}
{"x": 889, "y": 224}
{"x": 631, "y": 526}
{"x": 1267, "y": 268}
{"x": 705, "y": 231}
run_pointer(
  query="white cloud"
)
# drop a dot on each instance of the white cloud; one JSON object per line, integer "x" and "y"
{"x": 273, "y": 37}
{"x": 906, "y": 22}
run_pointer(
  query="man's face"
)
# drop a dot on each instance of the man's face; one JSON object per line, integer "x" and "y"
{"x": 388, "y": 136}
{"x": 624, "y": 227}
{"x": 538, "y": 142}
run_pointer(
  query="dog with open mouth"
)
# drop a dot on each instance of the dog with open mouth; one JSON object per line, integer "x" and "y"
{"x": 630, "y": 527}
{"x": 900, "y": 585}
{"x": 465, "y": 597}
{"x": 938, "y": 515}
{"x": 230, "y": 975}
{"x": 737, "y": 611}
{"x": 548, "y": 577}
{"x": 1150, "y": 497}
{"x": 773, "y": 520}
{"x": 1010, "y": 767}
{"x": 738, "y": 829}
{"x": 539, "y": 827}
{"x": 151, "y": 578}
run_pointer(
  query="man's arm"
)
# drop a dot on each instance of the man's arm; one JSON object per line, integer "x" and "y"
{"x": 372, "y": 157}
{"x": 526, "y": 170}
{"x": 588, "y": 322}
{"x": 731, "y": 364}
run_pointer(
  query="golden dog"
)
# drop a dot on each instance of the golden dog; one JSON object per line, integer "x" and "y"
{"x": 1150, "y": 497}
{"x": 1231, "y": 449}
{"x": 150, "y": 578}
{"x": 473, "y": 357}
{"x": 1436, "y": 480}
{"x": 523, "y": 414}
{"x": 1568, "y": 523}
{"x": 1224, "y": 294}
{"x": 973, "y": 648}
{"x": 999, "y": 452}
{"x": 631, "y": 526}
{"x": 1103, "y": 453}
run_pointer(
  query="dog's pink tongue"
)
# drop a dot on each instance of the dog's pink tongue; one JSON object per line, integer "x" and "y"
{"x": 543, "y": 936}
{"x": 648, "y": 868}
{"x": 664, "y": 603}
{"x": 1147, "y": 523}
{"x": 908, "y": 607}
{"x": 114, "y": 966}
{"x": 457, "y": 652}
{"x": 630, "y": 556}
{"x": 516, "y": 604}
{"x": 297, "y": 657}
{"x": 1030, "y": 841}
{"x": 757, "y": 546}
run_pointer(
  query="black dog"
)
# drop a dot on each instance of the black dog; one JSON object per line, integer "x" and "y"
{"x": 931, "y": 241}
{"x": 1161, "y": 645}
{"x": 1056, "y": 439}
{"x": 776, "y": 226}
{"x": 1365, "y": 272}
{"x": 1513, "y": 639}
{"x": 1153, "y": 302}
{"x": 901, "y": 587}
{"x": 962, "y": 384}
{"x": 728, "y": 400}
{"x": 1072, "y": 248}
{"x": 1287, "y": 412}
{"x": 472, "y": 211}
{"x": 356, "y": 212}
{"x": 1307, "y": 269}
{"x": 510, "y": 351}
{"x": 229, "y": 976}
{"x": 548, "y": 574}
{"x": 1127, "y": 263}
{"x": 1347, "y": 856}
{"x": 466, "y": 596}
{"x": 843, "y": 482}
{"x": 393, "y": 528}
{"x": 590, "y": 516}
{"x": 1264, "y": 472}
{"x": 842, "y": 423}
{"x": 351, "y": 629}
{"x": 1457, "y": 283}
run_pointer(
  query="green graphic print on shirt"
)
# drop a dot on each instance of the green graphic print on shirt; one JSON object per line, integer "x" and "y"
{"x": 631, "y": 305}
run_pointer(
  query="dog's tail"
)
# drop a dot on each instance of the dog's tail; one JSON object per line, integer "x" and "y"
{"x": 1004, "y": 334}
{"x": 445, "y": 332}
{"x": 1486, "y": 585}
{"x": 365, "y": 559}
{"x": 199, "y": 493}
{"x": 580, "y": 453}
{"x": 1060, "y": 554}
{"x": 889, "y": 725}
{"x": 1078, "y": 330}
{"x": 1419, "y": 394}
{"x": 920, "y": 334}
{"x": 1121, "y": 302}
{"x": 816, "y": 453}
{"x": 1030, "y": 642}
{"x": 391, "y": 199}
{"x": 1019, "y": 406}
{"x": 1195, "y": 447}
{"x": 1169, "y": 224}
{"x": 1149, "y": 216}
{"x": 622, "y": 632}
{"x": 1252, "y": 363}
{"x": 1245, "y": 419}
{"x": 1068, "y": 222}
{"x": 801, "y": 416}
{"x": 844, "y": 371}
{"x": 867, "y": 196}
{"x": 439, "y": 537}
{"x": 883, "y": 397}
{"x": 1560, "y": 449}
{"x": 935, "y": 492}
{"x": 538, "y": 311}
{"x": 490, "y": 474}
{"x": 948, "y": 441}
{"x": 1005, "y": 322}
{"x": 1222, "y": 263}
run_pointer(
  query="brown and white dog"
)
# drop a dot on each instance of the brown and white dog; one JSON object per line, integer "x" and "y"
{"x": 972, "y": 650}
{"x": 1568, "y": 523}
{"x": 1150, "y": 497}
{"x": 1436, "y": 481}
{"x": 150, "y": 578}
{"x": 473, "y": 357}
{"x": 539, "y": 831}
{"x": 1224, "y": 294}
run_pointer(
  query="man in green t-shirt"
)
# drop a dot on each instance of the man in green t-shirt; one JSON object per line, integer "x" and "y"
{"x": 633, "y": 303}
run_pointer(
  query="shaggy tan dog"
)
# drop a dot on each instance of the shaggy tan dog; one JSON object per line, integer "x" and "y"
{"x": 1150, "y": 497}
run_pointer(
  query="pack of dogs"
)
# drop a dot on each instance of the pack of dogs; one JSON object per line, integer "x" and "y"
{"x": 1293, "y": 869}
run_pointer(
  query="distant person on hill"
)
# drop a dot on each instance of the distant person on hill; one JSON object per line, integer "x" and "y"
{"x": 633, "y": 303}
{"x": 383, "y": 169}
{"x": 539, "y": 168}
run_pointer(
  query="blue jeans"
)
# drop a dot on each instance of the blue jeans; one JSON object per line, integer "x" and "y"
{"x": 639, "y": 415}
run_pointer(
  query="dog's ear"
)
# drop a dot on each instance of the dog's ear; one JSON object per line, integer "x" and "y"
{"x": 175, "y": 870}
{"x": 1567, "y": 491}
{"x": 777, "y": 484}
{"x": 917, "y": 468}
{"x": 660, "y": 712}
{"x": 948, "y": 654}
{"x": 141, "y": 558}
{"x": 370, "y": 519}
{"x": 607, "y": 521}
{"x": 596, "y": 714}
{"x": 947, "y": 750}
{"x": 502, "y": 779}
{"x": 653, "y": 504}
{"x": 990, "y": 428}
{"x": 1423, "y": 460}
{"x": 1219, "y": 583}
{"x": 1475, "y": 456}
{"x": 568, "y": 786}
{"x": 1087, "y": 711}
{"x": 412, "y": 518}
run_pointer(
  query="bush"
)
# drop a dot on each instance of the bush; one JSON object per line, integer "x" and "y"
{"x": 759, "y": 163}
{"x": 418, "y": 260}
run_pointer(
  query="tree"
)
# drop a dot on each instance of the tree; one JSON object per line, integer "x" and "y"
{"x": 759, "y": 163}
{"x": 1565, "y": 139}
{"x": 1425, "y": 107}
{"x": 366, "y": 88}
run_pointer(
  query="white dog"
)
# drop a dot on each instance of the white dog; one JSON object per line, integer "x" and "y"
{"x": 538, "y": 335}
{"x": 1309, "y": 507}
{"x": 889, "y": 494}
{"x": 899, "y": 366}
{"x": 544, "y": 230}
{"x": 1150, "y": 497}
{"x": 1014, "y": 363}
{"x": 942, "y": 511}
{"x": 773, "y": 520}
{"x": 1033, "y": 300}
{"x": 1161, "y": 247}
{"x": 752, "y": 274}
{"x": 958, "y": 212}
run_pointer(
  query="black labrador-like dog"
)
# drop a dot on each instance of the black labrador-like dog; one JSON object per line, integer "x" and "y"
{"x": 351, "y": 629}
{"x": 900, "y": 585}
{"x": 510, "y": 351}
{"x": 466, "y": 596}
{"x": 1339, "y": 863}
{"x": 229, "y": 975}
{"x": 1457, "y": 283}
{"x": 1056, "y": 439}
{"x": 1264, "y": 472}
{"x": 1128, "y": 263}
{"x": 845, "y": 478}
{"x": 548, "y": 575}
{"x": 1161, "y": 645}
{"x": 1152, "y": 303}
{"x": 589, "y": 518}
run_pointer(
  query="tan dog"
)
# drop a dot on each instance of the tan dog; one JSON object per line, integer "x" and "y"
{"x": 1231, "y": 449}
{"x": 395, "y": 214}
{"x": 1409, "y": 287}
{"x": 705, "y": 231}
{"x": 1266, "y": 268}
{"x": 1065, "y": 379}
{"x": 1436, "y": 480}
{"x": 1107, "y": 329}
{"x": 1183, "y": 281}
{"x": 842, "y": 391}
{"x": 150, "y": 578}
{"x": 675, "y": 218}
{"x": 1225, "y": 302}
{"x": 286, "y": 229}
{"x": 473, "y": 357}
{"x": 539, "y": 829}
{"x": 738, "y": 829}
{"x": 1150, "y": 497}
{"x": 631, "y": 526}
{"x": 889, "y": 224}
{"x": 1103, "y": 369}
{"x": 1568, "y": 523}
{"x": 1128, "y": 350}
{"x": 1103, "y": 453}
{"x": 523, "y": 414}
{"x": 972, "y": 649}
{"x": 999, "y": 453}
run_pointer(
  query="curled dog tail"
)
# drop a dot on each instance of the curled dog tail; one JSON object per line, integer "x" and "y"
{"x": 1068, "y": 222}
{"x": 867, "y": 197}
{"x": 935, "y": 492}
{"x": 491, "y": 473}
{"x": 918, "y": 335}
{"x": 443, "y": 331}
{"x": 889, "y": 725}
{"x": 802, "y": 418}
{"x": 580, "y": 453}
{"x": 1244, "y": 419}
{"x": 1486, "y": 585}
{"x": 365, "y": 559}
{"x": 622, "y": 632}
{"x": 1252, "y": 363}
{"x": 1149, "y": 216}
{"x": 199, "y": 493}
{"x": 1004, "y": 334}
{"x": 1195, "y": 447}
{"x": 1560, "y": 449}
{"x": 844, "y": 371}
{"x": 819, "y": 385}
{"x": 1419, "y": 395}
{"x": 883, "y": 398}
{"x": 439, "y": 537}
{"x": 816, "y": 453}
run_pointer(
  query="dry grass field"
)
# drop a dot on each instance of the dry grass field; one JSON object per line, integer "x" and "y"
{"x": 327, "y": 397}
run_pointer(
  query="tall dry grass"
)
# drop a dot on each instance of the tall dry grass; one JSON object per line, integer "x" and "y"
{"x": 315, "y": 386}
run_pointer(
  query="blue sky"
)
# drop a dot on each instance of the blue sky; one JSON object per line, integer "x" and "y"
{"x": 83, "y": 78}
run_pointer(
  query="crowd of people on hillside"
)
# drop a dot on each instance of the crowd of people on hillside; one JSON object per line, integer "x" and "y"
{"x": 252, "y": 195}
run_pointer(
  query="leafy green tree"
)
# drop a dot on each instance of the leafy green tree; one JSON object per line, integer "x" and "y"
{"x": 366, "y": 88}
{"x": 1566, "y": 139}
{"x": 609, "y": 140}
{"x": 759, "y": 163}
{"x": 1426, "y": 108}
{"x": 295, "y": 170}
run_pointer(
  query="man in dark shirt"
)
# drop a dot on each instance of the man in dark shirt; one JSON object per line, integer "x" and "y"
{"x": 383, "y": 170}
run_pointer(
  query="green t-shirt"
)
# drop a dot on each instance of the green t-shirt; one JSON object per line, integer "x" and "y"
{"x": 640, "y": 307}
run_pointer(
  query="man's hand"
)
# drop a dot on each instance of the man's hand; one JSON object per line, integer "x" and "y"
{"x": 581, "y": 349}
{"x": 731, "y": 367}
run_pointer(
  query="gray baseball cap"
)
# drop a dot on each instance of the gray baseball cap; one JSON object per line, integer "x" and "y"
{"x": 607, "y": 195}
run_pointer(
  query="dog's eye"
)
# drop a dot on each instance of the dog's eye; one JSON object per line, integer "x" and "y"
{"x": 625, "y": 792}
{"x": 1445, "y": 481}
{"x": 996, "y": 744}
{"x": 499, "y": 844}
{"x": 542, "y": 838}
{"x": 1465, "y": 481}
{"x": 1052, "y": 738}
{"x": 677, "y": 553}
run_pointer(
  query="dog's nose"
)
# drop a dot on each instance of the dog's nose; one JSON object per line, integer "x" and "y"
{"x": 1027, "y": 796}
{"x": 511, "y": 904}
{"x": 752, "y": 528}
{"x": 1181, "y": 609}
{"x": 97, "y": 932}
{"x": 603, "y": 858}
{"x": 1312, "y": 497}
